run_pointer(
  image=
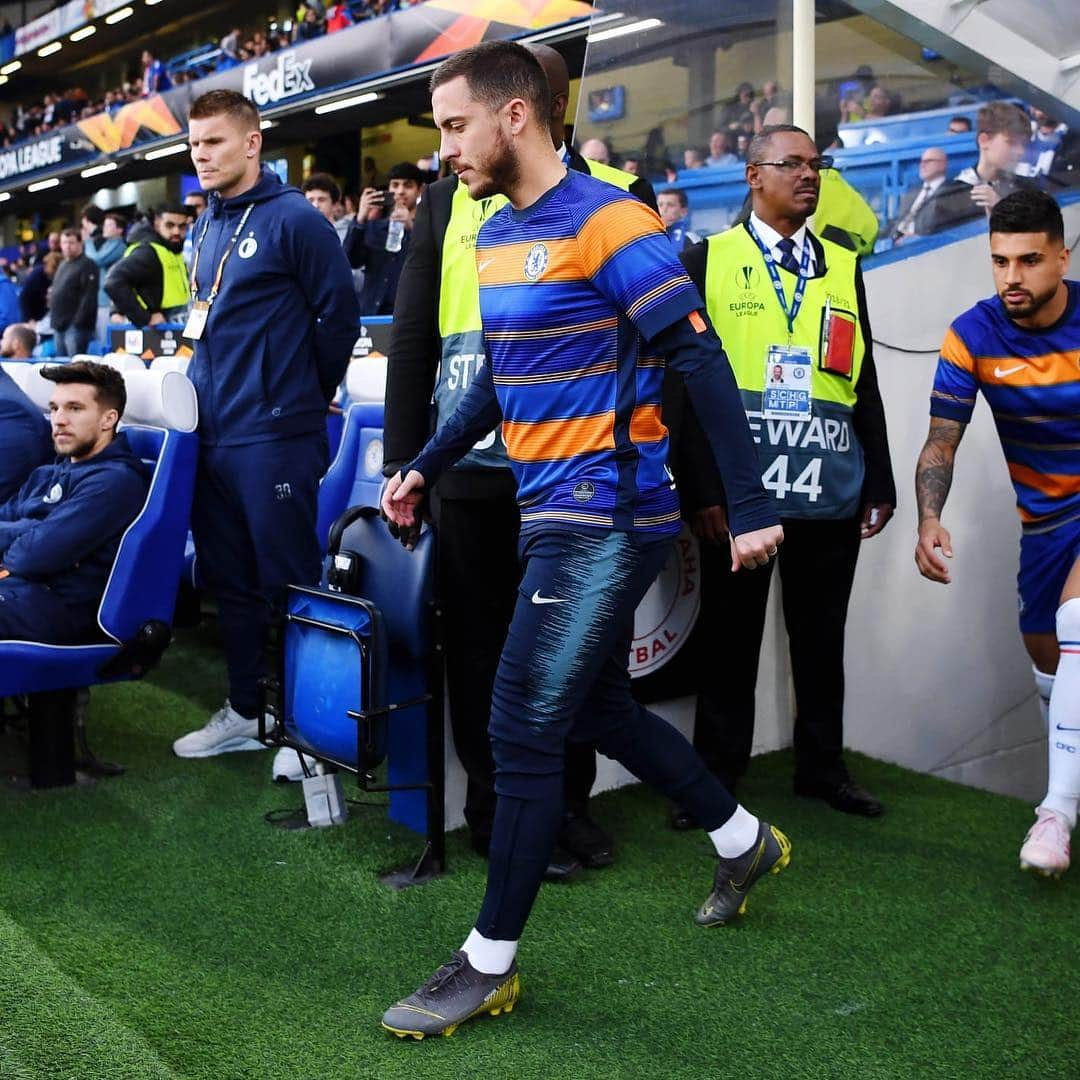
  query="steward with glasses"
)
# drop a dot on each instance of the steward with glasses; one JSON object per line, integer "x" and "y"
{"x": 784, "y": 300}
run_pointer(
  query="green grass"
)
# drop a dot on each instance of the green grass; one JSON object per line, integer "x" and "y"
{"x": 155, "y": 926}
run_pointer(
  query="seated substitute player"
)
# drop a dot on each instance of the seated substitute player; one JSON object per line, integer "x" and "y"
{"x": 1020, "y": 349}
{"x": 581, "y": 299}
{"x": 59, "y": 535}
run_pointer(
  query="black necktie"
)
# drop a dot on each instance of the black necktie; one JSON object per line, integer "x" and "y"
{"x": 787, "y": 260}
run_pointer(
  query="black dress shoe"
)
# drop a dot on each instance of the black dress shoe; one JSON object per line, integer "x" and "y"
{"x": 682, "y": 820}
{"x": 561, "y": 867}
{"x": 847, "y": 796}
{"x": 583, "y": 838}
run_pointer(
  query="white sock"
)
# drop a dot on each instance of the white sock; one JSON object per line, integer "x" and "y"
{"x": 488, "y": 955}
{"x": 1044, "y": 684}
{"x": 736, "y": 835}
{"x": 1063, "y": 790}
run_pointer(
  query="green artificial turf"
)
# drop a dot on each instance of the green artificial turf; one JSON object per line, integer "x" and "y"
{"x": 155, "y": 926}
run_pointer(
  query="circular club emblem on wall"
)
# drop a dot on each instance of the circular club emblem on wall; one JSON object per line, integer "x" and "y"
{"x": 536, "y": 261}
{"x": 668, "y": 611}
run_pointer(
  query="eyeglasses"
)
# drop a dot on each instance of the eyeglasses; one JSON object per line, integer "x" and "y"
{"x": 793, "y": 165}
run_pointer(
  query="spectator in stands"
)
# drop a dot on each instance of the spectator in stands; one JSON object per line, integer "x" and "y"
{"x": 933, "y": 166}
{"x": 271, "y": 346}
{"x": 308, "y": 27}
{"x": 693, "y": 158}
{"x": 1046, "y": 137}
{"x": 25, "y": 442}
{"x": 155, "y": 78}
{"x": 878, "y": 104}
{"x": 720, "y": 150}
{"x": 196, "y": 200}
{"x": 34, "y": 298}
{"x": 1003, "y": 136}
{"x": 735, "y": 110}
{"x": 60, "y": 533}
{"x": 17, "y": 342}
{"x": 338, "y": 18}
{"x": 150, "y": 283}
{"x": 322, "y": 191}
{"x": 230, "y": 49}
{"x": 103, "y": 240}
{"x": 9, "y": 302}
{"x": 596, "y": 150}
{"x": 674, "y": 210}
{"x": 959, "y": 125}
{"x": 632, "y": 164}
{"x": 370, "y": 177}
{"x": 52, "y": 243}
{"x": 73, "y": 297}
{"x": 378, "y": 248}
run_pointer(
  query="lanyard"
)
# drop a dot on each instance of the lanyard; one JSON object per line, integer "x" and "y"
{"x": 778, "y": 286}
{"x": 216, "y": 287}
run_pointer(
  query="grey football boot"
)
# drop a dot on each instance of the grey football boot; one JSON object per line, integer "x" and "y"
{"x": 455, "y": 993}
{"x": 769, "y": 854}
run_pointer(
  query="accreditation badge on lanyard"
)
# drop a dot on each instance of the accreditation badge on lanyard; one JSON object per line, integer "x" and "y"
{"x": 786, "y": 389}
{"x": 200, "y": 309}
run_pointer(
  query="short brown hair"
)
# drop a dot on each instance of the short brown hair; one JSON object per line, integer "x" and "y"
{"x": 999, "y": 117}
{"x": 497, "y": 72}
{"x": 224, "y": 103}
{"x": 320, "y": 181}
{"x": 73, "y": 233}
{"x": 108, "y": 383}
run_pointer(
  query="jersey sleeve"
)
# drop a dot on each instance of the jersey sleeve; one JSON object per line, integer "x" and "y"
{"x": 628, "y": 257}
{"x": 955, "y": 385}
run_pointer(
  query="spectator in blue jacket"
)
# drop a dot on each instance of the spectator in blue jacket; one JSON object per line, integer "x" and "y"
{"x": 271, "y": 348}
{"x": 59, "y": 535}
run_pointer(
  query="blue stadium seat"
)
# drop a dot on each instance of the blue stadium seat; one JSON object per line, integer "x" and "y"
{"x": 140, "y": 595}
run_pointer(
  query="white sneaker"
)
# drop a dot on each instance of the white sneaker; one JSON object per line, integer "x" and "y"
{"x": 1046, "y": 846}
{"x": 225, "y": 732}
{"x": 287, "y": 767}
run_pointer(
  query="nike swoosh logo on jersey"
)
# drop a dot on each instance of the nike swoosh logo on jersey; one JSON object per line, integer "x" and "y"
{"x": 1010, "y": 371}
{"x": 481, "y": 267}
{"x": 538, "y": 599}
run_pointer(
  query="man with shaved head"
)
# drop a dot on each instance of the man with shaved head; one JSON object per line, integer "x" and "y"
{"x": 437, "y": 350}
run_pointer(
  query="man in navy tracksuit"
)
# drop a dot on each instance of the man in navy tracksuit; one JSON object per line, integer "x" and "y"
{"x": 60, "y": 533}
{"x": 25, "y": 442}
{"x": 274, "y": 318}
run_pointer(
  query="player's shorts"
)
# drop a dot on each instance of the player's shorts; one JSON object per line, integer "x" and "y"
{"x": 1045, "y": 562}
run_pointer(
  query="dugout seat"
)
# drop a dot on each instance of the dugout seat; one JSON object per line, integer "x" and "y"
{"x": 360, "y": 673}
{"x": 136, "y": 609}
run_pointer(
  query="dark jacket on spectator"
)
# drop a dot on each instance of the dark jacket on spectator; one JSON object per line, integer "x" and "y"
{"x": 63, "y": 528}
{"x": 25, "y": 442}
{"x": 74, "y": 294}
{"x": 366, "y": 247}
{"x": 34, "y": 297}
{"x": 137, "y": 274}
{"x": 952, "y": 203}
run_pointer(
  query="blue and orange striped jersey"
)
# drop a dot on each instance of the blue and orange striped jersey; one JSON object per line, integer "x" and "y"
{"x": 1031, "y": 381}
{"x": 571, "y": 291}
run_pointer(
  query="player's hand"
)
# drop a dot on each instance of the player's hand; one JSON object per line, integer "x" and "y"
{"x": 933, "y": 535}
{"x": 755, "y": 548}
{"x": 370, "y": 205}
{"x": 875, "y": 517}
{"x": 710, "y": 524}
{"x": 401, "y": 500}
{"x": 985, "y": 196}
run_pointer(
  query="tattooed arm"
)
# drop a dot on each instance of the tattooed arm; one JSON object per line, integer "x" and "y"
{"x": 933, "y": 478}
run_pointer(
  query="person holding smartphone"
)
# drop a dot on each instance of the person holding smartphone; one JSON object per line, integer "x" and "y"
{"x": 381, "y": 241}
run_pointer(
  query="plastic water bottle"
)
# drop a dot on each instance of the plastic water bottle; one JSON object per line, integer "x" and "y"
{"x": 394, "y": 235}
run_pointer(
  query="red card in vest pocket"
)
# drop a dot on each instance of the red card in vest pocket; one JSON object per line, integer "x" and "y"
{"x": 838, "y": 344}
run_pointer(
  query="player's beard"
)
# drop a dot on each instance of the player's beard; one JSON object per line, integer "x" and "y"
{"x": 501, "y": 170}
{"x": 1030, "y": 306}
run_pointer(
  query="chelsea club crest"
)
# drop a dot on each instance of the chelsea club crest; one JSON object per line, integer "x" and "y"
{"x": 536, "y": 261}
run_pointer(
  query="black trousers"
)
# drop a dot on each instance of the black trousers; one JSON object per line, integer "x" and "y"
{"x": 817, "y": 568}
{"x": 478, "y": 575}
